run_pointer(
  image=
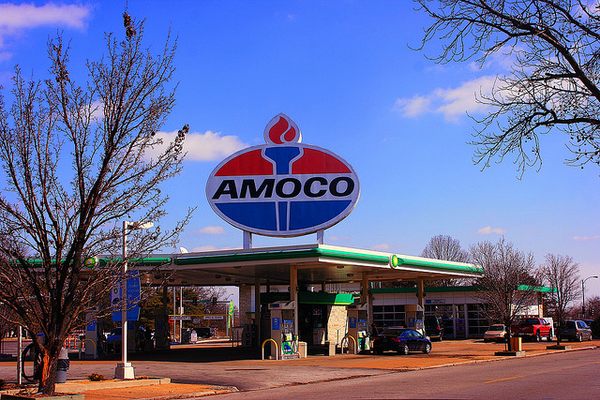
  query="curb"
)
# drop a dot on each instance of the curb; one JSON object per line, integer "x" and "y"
{"x": 499, "y": 358}
{"x": 193, "y": 395}
{"x": 83, "y": 385}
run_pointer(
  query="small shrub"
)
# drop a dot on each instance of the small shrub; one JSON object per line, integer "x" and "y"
{"x": 96, "y": 377}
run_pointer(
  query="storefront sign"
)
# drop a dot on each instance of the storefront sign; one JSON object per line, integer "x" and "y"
{"x": 283, "y": 188}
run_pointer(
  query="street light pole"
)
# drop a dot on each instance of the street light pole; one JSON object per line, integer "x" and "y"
{"x": 583, "y": 294}
{"x": 124, "y": 369}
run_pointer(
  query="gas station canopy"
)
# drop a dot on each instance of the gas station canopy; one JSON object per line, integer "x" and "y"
{"x": 315, "y": 264}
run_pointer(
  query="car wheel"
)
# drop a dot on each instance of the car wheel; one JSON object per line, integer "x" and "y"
{"x": 427, "y": 348}
{"x": 403, "y": 349}
{"x": 538, "y": 336}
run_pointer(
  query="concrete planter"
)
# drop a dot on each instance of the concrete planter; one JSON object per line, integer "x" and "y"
{"x": 510, "y": 353}
{"x": 558, "y": 347}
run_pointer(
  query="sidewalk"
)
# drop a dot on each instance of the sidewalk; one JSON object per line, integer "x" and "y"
{"x": 140, "y": 389}
{"x": 445, "y": 353}
{"x": 151, "y": 388}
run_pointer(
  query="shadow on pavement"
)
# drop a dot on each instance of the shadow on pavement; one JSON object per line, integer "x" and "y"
{"x": 194, "y": 354}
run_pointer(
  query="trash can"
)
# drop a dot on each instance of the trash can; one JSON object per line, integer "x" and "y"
{"x": 63, "y": 366}
{"x": 302, "y": 349}
{"x": 516, "y": 344}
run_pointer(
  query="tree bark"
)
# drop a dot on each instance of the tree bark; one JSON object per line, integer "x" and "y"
{"x": 47, "y": 383}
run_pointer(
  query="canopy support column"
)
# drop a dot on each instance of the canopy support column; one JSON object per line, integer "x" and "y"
{"x": 365, "y": 297}
{"x": 421, "y": 292}
{"x": 257, "y": 313}
{"x": 294, "y": 295}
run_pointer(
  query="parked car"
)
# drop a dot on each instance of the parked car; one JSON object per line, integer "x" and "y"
{"x": 496, "y": 333}
{"x": 402, "y": 340}
{"x": 576, "y": 330}
{"x": 204, "y": 332}
{"x": 434, "y": 327}
{"x": 113, "y": 340}
{"x": 533, "y": 328}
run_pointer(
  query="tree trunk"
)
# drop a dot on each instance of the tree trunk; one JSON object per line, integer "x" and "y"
{"x": 47, "y": 381}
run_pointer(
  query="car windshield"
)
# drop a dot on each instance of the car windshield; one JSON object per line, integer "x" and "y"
{"x": 496, "y": 328}
{"x": 393, "y": 331}
{"x": 530, "y": 321}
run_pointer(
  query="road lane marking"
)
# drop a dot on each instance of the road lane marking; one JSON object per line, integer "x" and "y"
{"x": 510, "y": 378}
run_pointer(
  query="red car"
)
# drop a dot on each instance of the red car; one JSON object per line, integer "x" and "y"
{"x": 533, "y": 328}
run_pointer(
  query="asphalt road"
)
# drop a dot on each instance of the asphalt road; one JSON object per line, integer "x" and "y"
{"x": 561, "y": 376}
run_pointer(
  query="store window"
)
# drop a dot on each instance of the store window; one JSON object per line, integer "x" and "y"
{"x": 392, "y": 315}
{"x": 478, "y": 322}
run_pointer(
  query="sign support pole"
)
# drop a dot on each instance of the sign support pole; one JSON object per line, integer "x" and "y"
{"x": 247, "y": 240}
{"x": 294, "y": 296}
{"x": 124, "y": 370}
{"x": 19, "y": 355}
{"x": 321, "y": 236}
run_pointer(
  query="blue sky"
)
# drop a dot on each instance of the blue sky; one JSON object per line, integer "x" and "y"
{"x": 345, "y": 72}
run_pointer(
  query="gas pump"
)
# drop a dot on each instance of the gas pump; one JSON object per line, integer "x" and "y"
{"x": 282, "y": 328}
{"x": 414, "y": 317}
{"x": 358, "y": 326}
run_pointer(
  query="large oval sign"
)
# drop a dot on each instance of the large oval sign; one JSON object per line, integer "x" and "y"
{"x": 283, "y": 188}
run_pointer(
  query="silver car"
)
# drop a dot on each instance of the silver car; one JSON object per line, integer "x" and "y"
{"x": 495, "y": 333}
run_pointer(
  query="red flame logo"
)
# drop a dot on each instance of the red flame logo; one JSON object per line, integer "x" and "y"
{"x": 281, "y": 129}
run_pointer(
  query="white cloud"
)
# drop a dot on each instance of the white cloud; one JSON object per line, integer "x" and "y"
{"x": 381, "y": 246}
{"x": 450, "y": 102}
{"x": 414, "y": 106}
{"x": 586, "y": 238}
{"x": 24, "y": 16}
{"x": 15, "y": 18}
{"x": 212, "y": 230}
{"x": 207, "y": 146}
{"x": 488, "y": 230}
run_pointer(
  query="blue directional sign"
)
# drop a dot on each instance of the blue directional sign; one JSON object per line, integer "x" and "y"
{"x": 134, "y": 290}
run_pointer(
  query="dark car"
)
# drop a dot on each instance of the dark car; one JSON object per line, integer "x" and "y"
{"x": 402, "y": 340}
{"x": 113, "y": 340}
{"x": 576, "y": 330}
{"x": 203, "y": 332}
{"x": 434, "y": 327}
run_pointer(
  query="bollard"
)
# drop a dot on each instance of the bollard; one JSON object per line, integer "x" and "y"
{"x": 63, "y": 366}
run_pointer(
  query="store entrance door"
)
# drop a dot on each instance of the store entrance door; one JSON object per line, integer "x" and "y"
{"x": 312, "y": 327}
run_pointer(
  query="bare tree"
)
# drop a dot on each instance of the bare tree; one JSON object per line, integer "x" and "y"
{"x": 553, "y": 84}
{"x": 444, "y": 247}
{"x": 508, "y": 284}
{"x": 592, "y": 307}
{"x": 562, "y": 274}
{"x": 77, "y": 162}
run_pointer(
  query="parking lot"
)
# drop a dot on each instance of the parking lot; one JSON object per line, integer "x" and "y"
{"x": 217, "y": 363}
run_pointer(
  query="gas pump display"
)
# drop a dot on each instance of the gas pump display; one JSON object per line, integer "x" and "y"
{"x": 288, "y": 344}
{"x": 358, "y": 326}
{"x": 414, "y": 317}
{"x": 283, "y": 329}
